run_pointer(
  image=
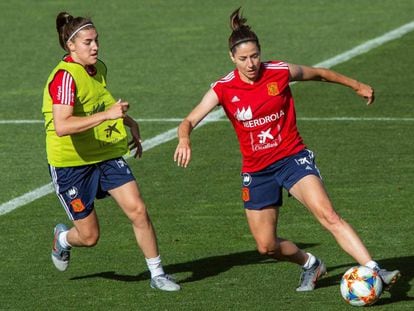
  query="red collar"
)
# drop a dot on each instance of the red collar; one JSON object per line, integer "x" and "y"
{"x": 90, "y": 69}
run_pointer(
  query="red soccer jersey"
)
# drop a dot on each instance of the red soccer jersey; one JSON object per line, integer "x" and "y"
{"x": 262, "y": 114}
{"x": 62, "y": 89}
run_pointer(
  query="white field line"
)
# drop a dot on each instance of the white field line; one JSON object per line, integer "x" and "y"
{"x": 41, "y": 121}
{"x": 356, "y": 119}
{"x": 176, "y": 120}
{"x": 171, "y": 134}
{"x": 47, "y": 189}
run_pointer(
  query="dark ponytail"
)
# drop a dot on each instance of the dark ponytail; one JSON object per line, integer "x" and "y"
{"x": 241, "y": 32}
{"x": 67, "y": 27}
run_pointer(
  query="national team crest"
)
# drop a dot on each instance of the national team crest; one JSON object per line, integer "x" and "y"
{"x": 77, "y": 205}
{"x": 272, "y": 89}
{"x": 245, "y": 194}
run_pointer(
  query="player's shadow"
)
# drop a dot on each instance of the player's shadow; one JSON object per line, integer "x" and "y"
{"x": 214, "y": 265}
{"x": 199, "y": 269}
{"x": 399, "y": 292}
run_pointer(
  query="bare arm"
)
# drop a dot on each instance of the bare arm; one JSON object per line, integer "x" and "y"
{"x": 305, "y": 73}
{"x": 182, "y": 155}
{"x": 136, "y": 141}
{"x": 67, "y": 124}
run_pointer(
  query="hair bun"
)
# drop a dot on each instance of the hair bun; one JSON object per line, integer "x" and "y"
{"x": 241, "y": 32}
{"x": 237, "y": 21}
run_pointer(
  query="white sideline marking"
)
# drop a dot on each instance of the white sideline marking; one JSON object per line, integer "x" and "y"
{"x": 355, "y": 119}
{"x": 47, "y": 189}
{"x": 171, "y": 134}
{"x": 368, "y": 46}
{"x": 41, "y": 121}
{"x": 176, "y": 120}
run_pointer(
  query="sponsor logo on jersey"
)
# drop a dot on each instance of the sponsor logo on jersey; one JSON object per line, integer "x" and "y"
{"x": 110, "y": 129}
{"x": 251, "y": 123}
{"x": 267, "y": 139}
{"x": 264, "y": 135}
{"x": 273, "y": 144}
{"x": 235, "y": 99}
{"x": 244, "y": 114}
{"x": 272, "y": 89}
{"x": 59, "y": 93}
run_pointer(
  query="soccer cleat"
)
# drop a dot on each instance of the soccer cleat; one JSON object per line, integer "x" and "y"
{"x": 309, "y": 276}
{"x": 164, "y": 282}
{"x": 389, "y": 278}
{"x": 60, "y": 255}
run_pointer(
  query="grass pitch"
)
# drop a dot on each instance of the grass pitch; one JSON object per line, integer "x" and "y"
{"x": 161, "y": 57}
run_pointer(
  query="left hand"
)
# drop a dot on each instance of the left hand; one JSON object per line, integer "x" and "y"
{"x": 366, "y": 92}
{"x": 182, "y": 154}
{"x": 135, "y": 142}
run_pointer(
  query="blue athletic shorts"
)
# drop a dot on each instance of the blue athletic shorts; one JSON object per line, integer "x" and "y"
{"x": 78, "y": 186}
{"x": 264, "y": 188}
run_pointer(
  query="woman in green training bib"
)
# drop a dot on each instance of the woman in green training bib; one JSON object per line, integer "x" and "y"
{"x": 85, "y": 142}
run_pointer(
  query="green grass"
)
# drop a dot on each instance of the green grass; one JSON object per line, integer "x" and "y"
{"x": 162, "y": 56}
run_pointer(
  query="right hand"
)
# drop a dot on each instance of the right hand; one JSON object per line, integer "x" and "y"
{"x": 182, "y": 155}
{"x": 366, "y": 92}
{"x": 117, "y": 110}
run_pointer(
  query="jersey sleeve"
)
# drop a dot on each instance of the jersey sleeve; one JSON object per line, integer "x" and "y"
{"x": 62, "y": 89}
{"x": 217, "y": 88}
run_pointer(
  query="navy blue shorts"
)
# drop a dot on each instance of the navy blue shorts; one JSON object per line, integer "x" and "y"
{"x": 78, "y": 186}
{"x": 264, "y": 188}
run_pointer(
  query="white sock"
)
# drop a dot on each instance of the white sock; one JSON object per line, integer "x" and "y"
{"x": 63, "y": 241}
{"x": 372, "y": 264}
{"x": 311, "y": 260}
{"x": 155, "y": 266}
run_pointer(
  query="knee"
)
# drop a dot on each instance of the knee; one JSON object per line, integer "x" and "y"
{"x": 89, "y": 239}
{"x": 331, "y": 219}
{"x": 139, "y": 216}
{"x": 267, "y": 250}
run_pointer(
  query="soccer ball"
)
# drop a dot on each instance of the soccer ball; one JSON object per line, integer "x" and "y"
{"x": 361, "y": 286}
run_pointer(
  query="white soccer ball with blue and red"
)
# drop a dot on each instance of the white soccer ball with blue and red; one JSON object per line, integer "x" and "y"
{"x": 361, "y": 286}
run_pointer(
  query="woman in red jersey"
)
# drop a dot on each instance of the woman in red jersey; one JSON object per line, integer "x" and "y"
{"x": 85, "y": 142}
{"x": 257, "y": 100}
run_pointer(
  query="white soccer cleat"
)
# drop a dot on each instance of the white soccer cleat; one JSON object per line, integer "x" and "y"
{"x": 165, "y": 282}
{"x": 60, "y": 255}
{"x": 389, "y": 278}
{"x": 309, "y": 276}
